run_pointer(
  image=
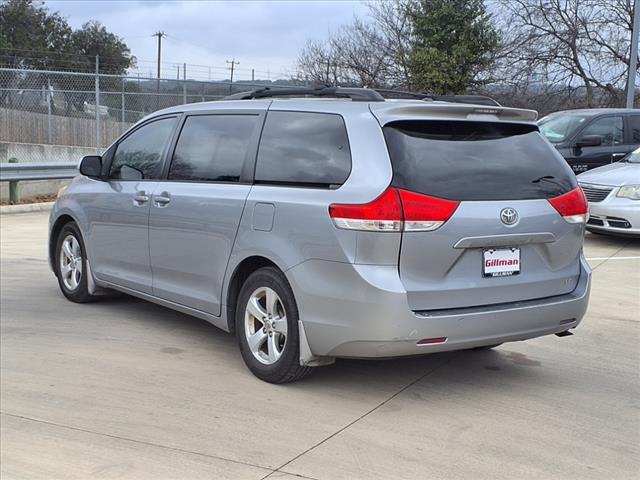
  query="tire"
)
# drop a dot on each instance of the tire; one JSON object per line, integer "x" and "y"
{"x": 274, "y": 354}
{"x": 73, "y": 285}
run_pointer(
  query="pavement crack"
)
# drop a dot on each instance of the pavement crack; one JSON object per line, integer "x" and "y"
{"x": 612, "y": 255}
{"x": 141, "y": 442}
{"x": 364, "y": 415}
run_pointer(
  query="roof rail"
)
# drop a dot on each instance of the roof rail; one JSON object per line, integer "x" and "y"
{"x": 472, "y": 99}
{"x": 355, "y": 94}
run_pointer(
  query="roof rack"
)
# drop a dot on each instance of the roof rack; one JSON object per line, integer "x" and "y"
{"x": 355, "y": 94}
{"x": 472, "y": 99}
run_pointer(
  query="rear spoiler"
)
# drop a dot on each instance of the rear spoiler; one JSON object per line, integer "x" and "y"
{"x": 387, "y": 112}
{"x": 471, "y": 99}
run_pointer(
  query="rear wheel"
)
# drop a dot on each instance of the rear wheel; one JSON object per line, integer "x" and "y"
{"x": 71, "y": 264}
{"x": 267, "y": 327}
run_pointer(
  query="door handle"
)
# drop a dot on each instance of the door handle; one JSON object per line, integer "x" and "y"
{"x": 616, "y": 156}
{"x": 141, "y": 197}
{"x": 162, "y": 199}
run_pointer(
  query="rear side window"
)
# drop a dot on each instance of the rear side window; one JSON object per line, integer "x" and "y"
{"x": 467, "y": 161}
{"x": 303, "y": 149}
{"x": 138, "y": 156}
{"x": 212, "y": 148}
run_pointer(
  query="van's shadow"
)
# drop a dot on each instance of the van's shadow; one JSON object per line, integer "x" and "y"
{"x": 463, "y": 367}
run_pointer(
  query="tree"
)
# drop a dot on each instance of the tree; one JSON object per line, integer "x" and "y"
{"x": 569, "y": 43}
{"x": 318, "y": 64}
{"x": 93, "y": 40}
{"x": 440, "y": 46}
{"x": 372, "y": 52}
{"x": 31, "y": 36}
{"x": 453, "y": 45}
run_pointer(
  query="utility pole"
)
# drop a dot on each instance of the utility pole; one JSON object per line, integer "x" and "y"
{"x": 97, "y": 105}
{"x": 233, "y": 63}
{"x": 160, "y": 36}
{"x": 253, "y": 75}
{"x": 633, "y": 60}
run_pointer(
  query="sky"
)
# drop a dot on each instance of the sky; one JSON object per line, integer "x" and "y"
{"x": 262, "y": 35}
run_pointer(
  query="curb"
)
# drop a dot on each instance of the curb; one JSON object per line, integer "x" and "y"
{"x": 26, "y": 207}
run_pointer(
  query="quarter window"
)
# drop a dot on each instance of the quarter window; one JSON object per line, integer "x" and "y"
{"x": 609, "y": 128}
{"x": 212, "y": 148}
{"x": 304, "y": 148}
{"x": 138, "y": 156}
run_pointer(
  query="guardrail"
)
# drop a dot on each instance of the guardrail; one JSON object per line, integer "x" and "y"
{"x": 15, "y": 172}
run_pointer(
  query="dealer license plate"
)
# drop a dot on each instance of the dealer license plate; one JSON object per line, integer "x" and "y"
{"x": 502, "y": 262}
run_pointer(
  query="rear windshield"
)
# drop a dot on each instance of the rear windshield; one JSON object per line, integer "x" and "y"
{"x": 466, "y": 161}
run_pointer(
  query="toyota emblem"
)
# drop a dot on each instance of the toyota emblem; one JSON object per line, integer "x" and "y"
{"x": 509, "y": 216}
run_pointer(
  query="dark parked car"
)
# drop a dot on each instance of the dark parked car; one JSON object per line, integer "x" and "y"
{"x": 592, "y": 138}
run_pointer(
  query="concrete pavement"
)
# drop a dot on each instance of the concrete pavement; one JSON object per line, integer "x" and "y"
{"x": 126, "y": 389}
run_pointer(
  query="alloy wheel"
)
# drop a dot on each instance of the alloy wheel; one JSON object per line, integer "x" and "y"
{"x": 71, "y": 262}
{"x": 265, "y": 322}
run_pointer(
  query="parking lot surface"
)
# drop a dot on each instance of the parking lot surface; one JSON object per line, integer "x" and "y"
{"x": 126, "y": 389}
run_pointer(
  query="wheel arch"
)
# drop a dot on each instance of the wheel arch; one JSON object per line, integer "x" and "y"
{"x": 57, "y": 226}
{"x": 240, "y": 273}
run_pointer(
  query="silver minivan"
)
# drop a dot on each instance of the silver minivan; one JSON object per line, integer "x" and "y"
{"x": 325, "y": 223}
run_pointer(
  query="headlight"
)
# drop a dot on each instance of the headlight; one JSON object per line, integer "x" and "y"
{"x": 629, "y": 191}
{"x": 60, "y": 192}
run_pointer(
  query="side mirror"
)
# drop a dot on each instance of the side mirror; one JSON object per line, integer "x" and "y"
{"x": 91, "y": 166}
{"x": 589, "y": 141}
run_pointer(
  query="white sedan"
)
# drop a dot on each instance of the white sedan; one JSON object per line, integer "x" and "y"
{"x": 613, "y": 192}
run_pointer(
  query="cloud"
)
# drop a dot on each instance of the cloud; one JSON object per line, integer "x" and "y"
{"x": 265, "y": 36}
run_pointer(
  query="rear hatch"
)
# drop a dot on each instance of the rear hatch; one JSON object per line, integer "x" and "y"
{"x": 515, "y": 230}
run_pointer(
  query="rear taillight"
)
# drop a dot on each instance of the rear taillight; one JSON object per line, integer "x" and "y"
{"x": 384, "y": 214}
{"x": 394, "y": 211}
{"x": 423, "y": 213}
{"x": 572, "y": 206}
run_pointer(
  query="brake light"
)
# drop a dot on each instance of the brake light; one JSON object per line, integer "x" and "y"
{"x": 423, "y": 213}
{"x": 394, "y": 211}
{"x": 572, "y": 206}
{"x": 384, "y": 214}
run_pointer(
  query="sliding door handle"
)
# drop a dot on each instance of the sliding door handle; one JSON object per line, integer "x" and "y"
{"x": 162, "y": 199}
{"x": 141, "y": 197}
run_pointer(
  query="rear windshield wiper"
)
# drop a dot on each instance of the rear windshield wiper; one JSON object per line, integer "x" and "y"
{"x": 550, "y": 179}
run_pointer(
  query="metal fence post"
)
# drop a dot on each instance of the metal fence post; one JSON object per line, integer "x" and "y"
{"x": 98, "y": 104}
{"x": 14, "y": 192}
{"x": 122, "y": 118}
{"x": 184, "y": 85}
{"x": 49, "y": 119}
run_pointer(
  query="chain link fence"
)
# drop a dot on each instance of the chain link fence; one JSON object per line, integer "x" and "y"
{"x": 89, "y": 110}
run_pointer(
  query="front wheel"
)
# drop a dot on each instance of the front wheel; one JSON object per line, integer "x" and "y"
{"x": 267, "y": 327}
{"x": 71, "y": 264}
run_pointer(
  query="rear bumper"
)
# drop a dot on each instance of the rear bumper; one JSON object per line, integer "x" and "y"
{"x": 362, "y": 311}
